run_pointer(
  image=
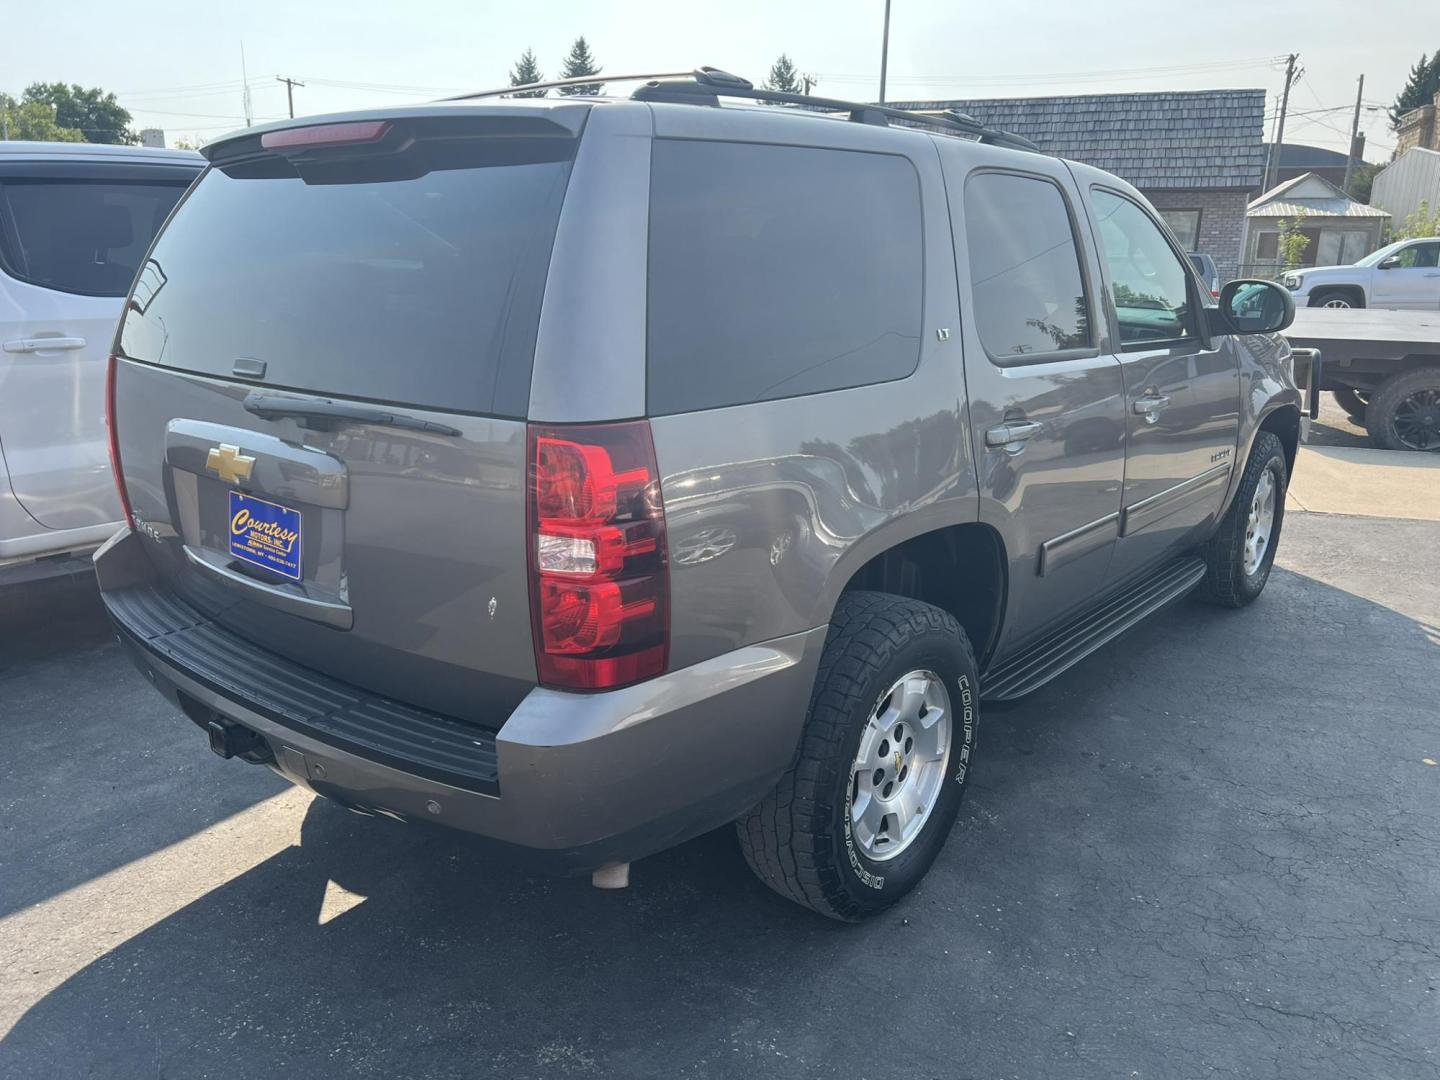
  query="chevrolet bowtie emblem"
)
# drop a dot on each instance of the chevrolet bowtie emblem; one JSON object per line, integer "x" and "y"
{"x": 899, "y": 761}
{"x": 229, "y": 463}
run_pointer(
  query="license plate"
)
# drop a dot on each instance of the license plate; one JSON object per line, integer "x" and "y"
{"x": 265, "y": 534}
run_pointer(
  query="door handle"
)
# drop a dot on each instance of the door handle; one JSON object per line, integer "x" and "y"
{"x": 44, "y": 344}
{"x": 1151, "y": 406}
{"x": 1012, "y": 431}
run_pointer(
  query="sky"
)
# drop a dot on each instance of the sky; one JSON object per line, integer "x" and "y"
{"x": 177, "y": 65}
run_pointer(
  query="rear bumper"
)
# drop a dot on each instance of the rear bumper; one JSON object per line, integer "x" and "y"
{"x": 574, "y": 779}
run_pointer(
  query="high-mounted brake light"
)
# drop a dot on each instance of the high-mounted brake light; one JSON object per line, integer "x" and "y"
{"x": 115, "y": 441}
{"x": 355, "y": 131}
{"x": 599, "y": 587}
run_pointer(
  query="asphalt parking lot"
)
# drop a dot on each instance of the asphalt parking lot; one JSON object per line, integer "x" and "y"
{"x": 1212, "y": 850}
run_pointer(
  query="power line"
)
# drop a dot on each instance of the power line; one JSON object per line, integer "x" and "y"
{"x": 972, "y": 77}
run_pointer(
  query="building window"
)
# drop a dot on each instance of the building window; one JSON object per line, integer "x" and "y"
{"x": 1185, "y": 224}
{"x": 1267, "y": 245}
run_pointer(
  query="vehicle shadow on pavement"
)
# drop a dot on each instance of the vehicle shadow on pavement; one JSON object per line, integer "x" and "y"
{"x": 95, "y": 767}
{"x": 1213, "y": 841}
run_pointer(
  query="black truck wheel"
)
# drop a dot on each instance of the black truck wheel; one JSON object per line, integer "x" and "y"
{"x": 1354, "y": 402}
{"x": 1404, "y": 413}
{"x": 869, "y": 802}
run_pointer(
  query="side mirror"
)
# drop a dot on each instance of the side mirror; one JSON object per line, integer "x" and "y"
{"x": 1390, "y": 263}
{"x": 1253, "y": 306}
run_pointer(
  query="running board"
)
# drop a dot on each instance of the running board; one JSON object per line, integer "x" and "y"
{"x": 1058, "y": 651}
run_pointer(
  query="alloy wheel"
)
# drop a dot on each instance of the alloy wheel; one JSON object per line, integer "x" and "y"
{"x": 899, "y": 770}
{"x": 1417, "y": 420}
{"x": 1261, "y": 523}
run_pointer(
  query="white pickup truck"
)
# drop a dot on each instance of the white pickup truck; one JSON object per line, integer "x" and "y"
{"x": 1404, "y": 275}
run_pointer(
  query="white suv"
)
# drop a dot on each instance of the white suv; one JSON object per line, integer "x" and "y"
{"x": 1405, "y": 274}
{"x": 75, "y": 222}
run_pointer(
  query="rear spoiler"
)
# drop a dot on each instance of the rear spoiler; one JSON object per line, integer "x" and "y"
{"x": 400, "y": 126}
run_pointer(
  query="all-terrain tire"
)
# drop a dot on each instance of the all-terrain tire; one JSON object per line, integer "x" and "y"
{"x": 798, "y": 840}
{"x": 1226, "y": 580}
{"x": 1419, "y": 392}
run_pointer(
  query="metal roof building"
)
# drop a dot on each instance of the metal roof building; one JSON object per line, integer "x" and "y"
{"x": 1340, "y": 230}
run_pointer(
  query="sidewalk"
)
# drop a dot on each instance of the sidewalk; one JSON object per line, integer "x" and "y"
{"x": 1366, "y": 483}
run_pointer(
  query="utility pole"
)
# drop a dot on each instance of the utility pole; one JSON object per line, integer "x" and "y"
{"x": 290, "y": 85}
{"x": 1277, "y": 148}
{"x": 884, "y": 51}
{"x": 1354, "y": 138}
{"x": 809, "y": 81}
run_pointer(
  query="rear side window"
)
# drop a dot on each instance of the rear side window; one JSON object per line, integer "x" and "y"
{"x": 1024, "y": 267}
{"x": 777, "y": 271}
{"x": 419, "y": 289}
{"x": 80, "y": 236}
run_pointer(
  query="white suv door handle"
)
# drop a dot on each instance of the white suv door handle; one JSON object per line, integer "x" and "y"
{"x": 44, "y": 344}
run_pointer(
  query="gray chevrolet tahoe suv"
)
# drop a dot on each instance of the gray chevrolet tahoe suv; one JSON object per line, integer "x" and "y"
{"x": 591, "y": 473}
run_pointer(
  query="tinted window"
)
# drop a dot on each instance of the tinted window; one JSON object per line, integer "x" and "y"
{"x": 777, "y": 271}
{"x": 1419, "y": 255}
{"x": 1024, "y": 267}
{"x": 80, "y": 236}
{"x": 421, "y": 289}
{"x": 1147, "y": 279}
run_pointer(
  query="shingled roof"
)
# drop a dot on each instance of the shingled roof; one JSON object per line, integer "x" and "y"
{"x": 1190, "y": 139}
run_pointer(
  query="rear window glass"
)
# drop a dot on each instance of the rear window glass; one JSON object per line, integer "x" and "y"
{"x": 777, "y": 271}
{"x": 423, "y": 290}
{"x": 1024, "y": 267}
{"x": 80, "y": 236}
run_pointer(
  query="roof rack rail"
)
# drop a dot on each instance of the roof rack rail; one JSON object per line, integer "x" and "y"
{"x": 706, "y": 85}
{"x": 585, "y": 80}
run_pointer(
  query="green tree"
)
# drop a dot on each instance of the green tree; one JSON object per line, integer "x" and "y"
{"x": 783, "y": 76}
{"x": 94, "y": 113}
{"x": 1420, "y": 88}
{"x": 1362, "y": 180}
{"x": 1291, "y": 244}
{"x": 1423, "y": 222}
{"x": 33, "y": 120}
{"x": 527, "y": 71}
{"x": 579, "y": 62}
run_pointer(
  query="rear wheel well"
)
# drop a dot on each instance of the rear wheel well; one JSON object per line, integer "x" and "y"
{"x": 1284, "y": 424}
{"x": 959, "y": 569}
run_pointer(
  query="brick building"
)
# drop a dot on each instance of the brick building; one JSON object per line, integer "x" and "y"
{"x": 1417, "y": 128}
{"x": 1197, "y": 155}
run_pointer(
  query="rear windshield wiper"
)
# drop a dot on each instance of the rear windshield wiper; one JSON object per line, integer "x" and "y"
{"x": 324, "y": 413}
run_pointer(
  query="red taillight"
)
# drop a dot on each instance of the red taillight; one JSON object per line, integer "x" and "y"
{"x": 115, "y": 441}
{"x": 349, "y": 133}
{"x": 599, "y": 593}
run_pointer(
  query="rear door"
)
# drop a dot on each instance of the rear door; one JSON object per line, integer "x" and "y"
{"x": 1182, "y": 390}
{"x": 321, "y": 407}
{"x": 1046, "y": 398}
{"x": 1414, "y": 284}
{"x": 71, "y": 237}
